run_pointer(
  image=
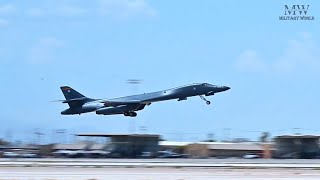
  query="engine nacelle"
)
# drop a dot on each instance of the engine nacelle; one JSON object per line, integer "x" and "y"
{"x": 109, "y": 111}
{"x": 119, "y": 109}
{"x": 84, "y": 109}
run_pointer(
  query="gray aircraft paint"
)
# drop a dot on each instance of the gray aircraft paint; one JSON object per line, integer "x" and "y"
{"x": 128, "y": 105}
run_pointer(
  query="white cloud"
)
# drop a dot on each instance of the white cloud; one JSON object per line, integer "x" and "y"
{"x": 44, "y": 50}
{"x": 36, "y": 12}
{"x": 7, "y": 9}
{"x": 300, "y": 54}
{"x": 125, "y": 8}
{"x": 113, "y": 8}
{"x": 68, "y": 10}
{"x": 249, "y": 61}
{"x": 3, "y": 23}
{"x": 65, "y": 11}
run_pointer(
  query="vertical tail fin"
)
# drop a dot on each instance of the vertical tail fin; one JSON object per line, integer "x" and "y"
{"x": 70, "y": 93}
{"x": 73, "y": 97}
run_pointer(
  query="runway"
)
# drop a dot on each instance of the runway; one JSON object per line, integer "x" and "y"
{"x": 157, "y": 169}
{"x": 204, "y": 163}
{"x": 158, "y": 173}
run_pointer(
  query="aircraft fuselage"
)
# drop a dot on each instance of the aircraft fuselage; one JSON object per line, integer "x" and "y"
{"x": 176, "y": 93}
{"x": 128, "y": 105}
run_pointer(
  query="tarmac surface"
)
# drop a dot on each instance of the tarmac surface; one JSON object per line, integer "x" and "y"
{"x": 231, "y": 162}
{"x": 156, "y": 169}
{"x": 157, "y": 173}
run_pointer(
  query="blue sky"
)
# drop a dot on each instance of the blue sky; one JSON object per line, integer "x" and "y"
{"x": 272, "y": 66}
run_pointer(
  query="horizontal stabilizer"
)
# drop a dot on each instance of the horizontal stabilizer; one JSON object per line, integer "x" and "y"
{"x": 75, "y": 100}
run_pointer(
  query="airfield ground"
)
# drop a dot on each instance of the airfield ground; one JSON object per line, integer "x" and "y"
{"x": 156, "y": 169}
{"x": 155, "y": 173}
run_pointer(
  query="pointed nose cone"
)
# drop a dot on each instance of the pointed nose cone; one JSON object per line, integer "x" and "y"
{"x": 225, "y": 88}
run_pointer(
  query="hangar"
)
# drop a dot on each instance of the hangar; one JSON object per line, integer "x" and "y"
{"x": 226, "y": 149}
{"x": 297, "y": 146}
{"x": 129, "y": 145}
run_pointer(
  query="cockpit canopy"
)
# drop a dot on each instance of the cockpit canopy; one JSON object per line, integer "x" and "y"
{"x": 210, "y": 85}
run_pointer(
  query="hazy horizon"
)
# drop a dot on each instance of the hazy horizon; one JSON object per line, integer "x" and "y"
{"x": 271, "y": 65}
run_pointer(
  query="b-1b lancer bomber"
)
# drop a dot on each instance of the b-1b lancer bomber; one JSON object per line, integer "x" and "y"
{"x": 128, "y": 105}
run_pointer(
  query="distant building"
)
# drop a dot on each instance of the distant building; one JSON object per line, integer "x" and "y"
{"x": 85, "y": 149}
{"x": 97, "y": 147}
{"x": 129, "y": 145}
{"x": 222, "y": 149}
{"x": 174, "y": 146}
{"x": 297, "y": 146}
{"x": 71, "y": 147}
